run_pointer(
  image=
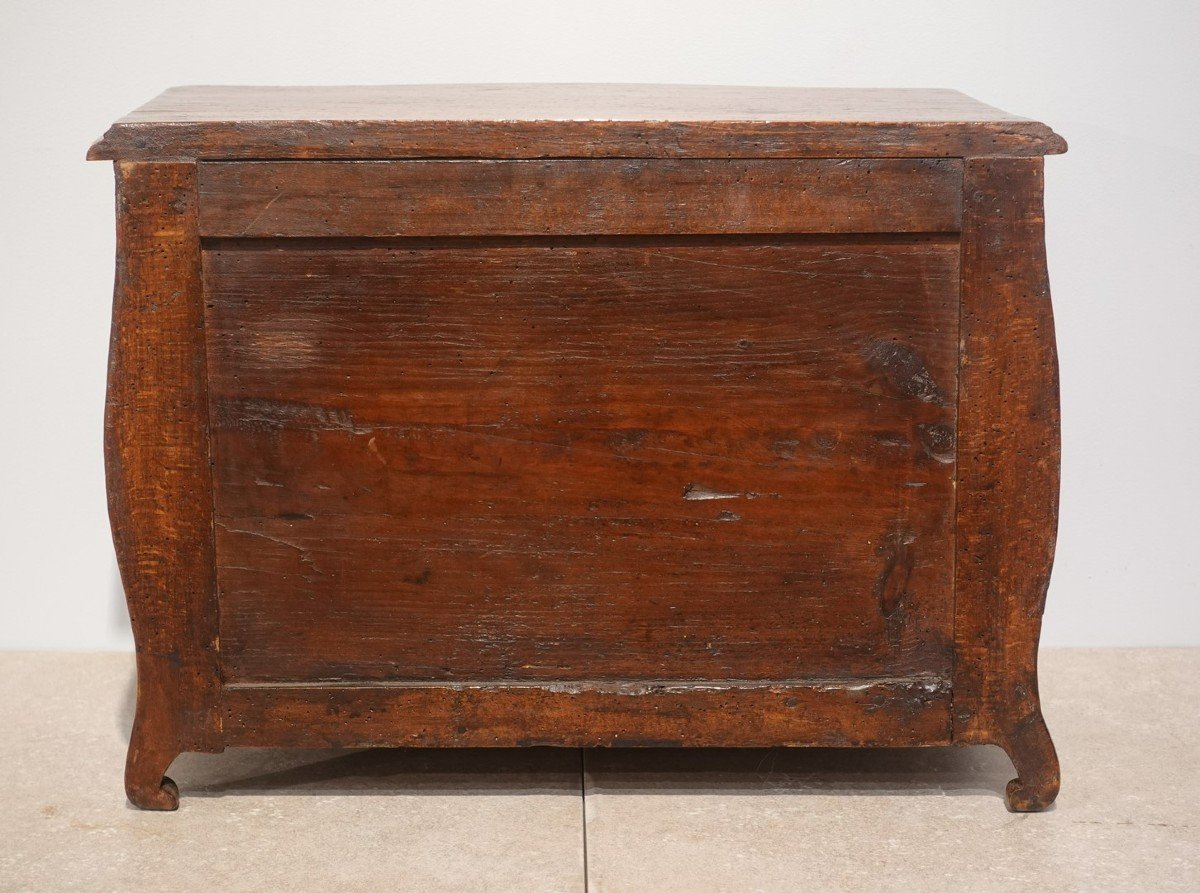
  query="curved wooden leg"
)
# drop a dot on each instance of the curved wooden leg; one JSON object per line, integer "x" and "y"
{"x": 146, "y": 785}
{"x": 145, "y": 765}
{"x": 154, "y": 741}
{"x": 1029, "y": 746}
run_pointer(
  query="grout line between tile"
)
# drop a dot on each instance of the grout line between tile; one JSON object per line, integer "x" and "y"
{"x": 583, "y": 812}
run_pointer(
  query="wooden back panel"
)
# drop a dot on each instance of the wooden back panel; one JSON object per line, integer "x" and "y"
{"x": 584, "y": 458}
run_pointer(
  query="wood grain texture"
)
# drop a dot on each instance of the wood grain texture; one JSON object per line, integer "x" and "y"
{"x": 590, "y": 459}
{"x": 159, "y": 480}
{"x": 837, "y": 713}
{"x": 567, "y": 120}
{"x": 582, "y": 415}
{"x": 597, "y": 197}
{"x": 1008, "y": 468}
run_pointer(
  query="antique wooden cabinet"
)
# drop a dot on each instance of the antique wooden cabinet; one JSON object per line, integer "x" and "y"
{"x": 582, "y": 415}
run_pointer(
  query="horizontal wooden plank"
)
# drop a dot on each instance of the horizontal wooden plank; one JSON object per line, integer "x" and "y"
{"x": 564, "y": 197}
{"x": 831, "y": 713}
{"x": 707, "y": 461}
{"x": 567, "y": 120}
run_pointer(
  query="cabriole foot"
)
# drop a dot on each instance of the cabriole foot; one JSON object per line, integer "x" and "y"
{"x": 146, "y": 785}
{"x": 1032, "y": 752}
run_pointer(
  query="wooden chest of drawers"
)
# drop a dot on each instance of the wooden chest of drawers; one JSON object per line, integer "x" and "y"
{"x": 582, "y": 415}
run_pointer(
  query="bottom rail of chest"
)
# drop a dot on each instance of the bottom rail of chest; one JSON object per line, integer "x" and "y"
{"x": 885, "y": 712}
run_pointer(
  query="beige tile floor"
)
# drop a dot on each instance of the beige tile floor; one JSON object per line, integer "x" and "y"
{"x": 1127, "y": 723}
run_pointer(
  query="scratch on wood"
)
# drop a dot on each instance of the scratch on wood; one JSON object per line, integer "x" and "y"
{"x": 374, "y": 448}
{"x": 259, "y": 216}
{"x": 262, "y": 413}
{"x": 694, "y": 492}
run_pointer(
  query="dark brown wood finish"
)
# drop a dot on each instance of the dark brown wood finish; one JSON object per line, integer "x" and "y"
{"x": 585, "y": 459}
{"x": 602, "y": 196}
{"x": 835, "y": 713}
{"x": 1008, "y": 466}
{"x": 159, "y": 480}
{"x": 602, "y": 421}
{"x": 568, "y": 121}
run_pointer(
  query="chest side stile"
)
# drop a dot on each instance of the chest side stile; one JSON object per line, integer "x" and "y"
{"x": 157, "y": 464}
{"x": 1008, "y": 472}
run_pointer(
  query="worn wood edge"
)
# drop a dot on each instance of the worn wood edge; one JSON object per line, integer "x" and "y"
{"x": 349, "y": 140}
{"x": 903, "y": 712}
{"x": 158, "y": 474}
{"x": 1008, "y": 473}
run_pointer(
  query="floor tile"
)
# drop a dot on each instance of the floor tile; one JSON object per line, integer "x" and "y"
{"x": 1126, "y": 723}
{"x": 265, "y": 819}
{"x": 1127, "y": 726}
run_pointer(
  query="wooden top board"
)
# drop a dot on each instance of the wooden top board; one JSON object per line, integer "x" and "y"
{"x": 566, "y": 121}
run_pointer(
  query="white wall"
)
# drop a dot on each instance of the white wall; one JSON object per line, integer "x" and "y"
{"x": 1121, "y": 81}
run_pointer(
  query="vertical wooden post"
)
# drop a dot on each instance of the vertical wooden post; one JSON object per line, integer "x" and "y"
{"x": 159, "y": 475}
{"x": 1008, "y": 472}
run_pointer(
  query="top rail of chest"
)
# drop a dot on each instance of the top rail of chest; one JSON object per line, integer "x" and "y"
{"x": 578, "y": 197}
